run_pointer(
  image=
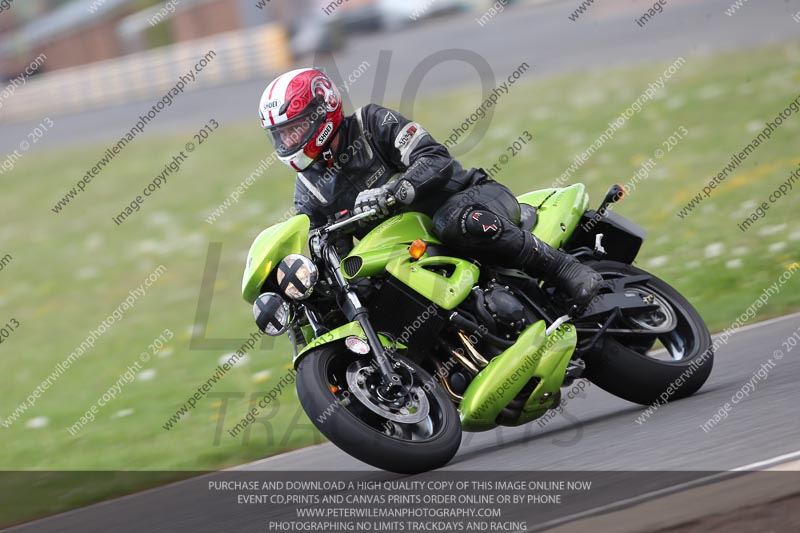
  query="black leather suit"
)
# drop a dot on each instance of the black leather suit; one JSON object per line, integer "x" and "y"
{"x": 470, "y": 212}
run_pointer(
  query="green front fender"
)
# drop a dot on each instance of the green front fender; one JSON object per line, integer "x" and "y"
{"x": 352, "y": 328}
{"x": 533, "y": 356}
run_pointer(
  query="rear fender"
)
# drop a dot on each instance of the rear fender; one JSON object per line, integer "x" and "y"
{"x": 622, "y": 238}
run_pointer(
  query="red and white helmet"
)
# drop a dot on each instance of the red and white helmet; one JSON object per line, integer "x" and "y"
{"x": 301, "y": 112}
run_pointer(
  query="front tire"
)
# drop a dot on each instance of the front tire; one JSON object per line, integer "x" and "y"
{"x": 385, "y": 443}
{"x": 627, "y": 368}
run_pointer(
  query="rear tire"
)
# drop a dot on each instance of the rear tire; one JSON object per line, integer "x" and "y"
{"x": 355, "y": 429}
{"x": 623, "y": 367}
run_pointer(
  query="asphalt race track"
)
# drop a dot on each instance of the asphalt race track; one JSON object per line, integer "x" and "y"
{"x": 597, "y": 440}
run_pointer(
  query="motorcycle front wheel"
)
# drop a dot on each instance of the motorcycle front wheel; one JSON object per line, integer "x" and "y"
{"x": 409, "y": 432}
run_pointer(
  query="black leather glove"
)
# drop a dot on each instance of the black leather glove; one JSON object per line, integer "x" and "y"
{"x": 403, "y": 191}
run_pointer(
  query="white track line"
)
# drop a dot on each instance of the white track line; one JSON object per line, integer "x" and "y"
{"x": 603, "y": 509}
{"x": 769, "y": 462}
{"x": 755, "y": 325}
{"x": 283, "y": 456}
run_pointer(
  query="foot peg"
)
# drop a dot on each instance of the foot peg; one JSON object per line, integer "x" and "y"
{"x": 575, "y": 370}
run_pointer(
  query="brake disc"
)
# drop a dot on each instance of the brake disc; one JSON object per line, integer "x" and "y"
{"x": 363, "y": 383}
{"x": 661, "y": 320}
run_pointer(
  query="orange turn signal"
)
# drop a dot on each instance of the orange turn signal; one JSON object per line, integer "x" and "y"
{"x": 417, "y": 248}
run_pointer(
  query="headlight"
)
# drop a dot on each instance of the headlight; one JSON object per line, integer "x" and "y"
{"x": 297, "y": 275}
{"x": 272, "y": 313}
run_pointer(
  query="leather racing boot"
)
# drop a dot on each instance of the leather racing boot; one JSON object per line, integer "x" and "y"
{"x": 579, "y": 282}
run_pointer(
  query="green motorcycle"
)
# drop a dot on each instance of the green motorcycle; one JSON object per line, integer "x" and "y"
{"x": 400, "y": 344}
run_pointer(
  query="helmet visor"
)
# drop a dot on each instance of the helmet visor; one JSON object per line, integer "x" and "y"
{"x": 291, "y": 136}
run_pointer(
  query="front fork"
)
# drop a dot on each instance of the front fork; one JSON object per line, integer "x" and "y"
{"x": 354, "y": 310}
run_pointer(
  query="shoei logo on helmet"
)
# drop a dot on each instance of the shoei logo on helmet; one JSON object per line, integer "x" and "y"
{"x": 272, "y": 104}
{"x": 323, "y": 137}
{"x": 323, "y": 88}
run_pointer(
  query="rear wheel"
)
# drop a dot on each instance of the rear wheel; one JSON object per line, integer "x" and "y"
{"x": 411, "y": 432}
{"x": 671, "y": 363}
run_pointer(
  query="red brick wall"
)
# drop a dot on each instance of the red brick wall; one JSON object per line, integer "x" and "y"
{"x": 99, "y": 41}
{"x": 205, "y": 19}
{"x": 90, "y": 44}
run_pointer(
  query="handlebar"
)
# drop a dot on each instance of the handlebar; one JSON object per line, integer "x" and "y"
{"x": 347, "y": 221}
{"x": 391, "y": 200}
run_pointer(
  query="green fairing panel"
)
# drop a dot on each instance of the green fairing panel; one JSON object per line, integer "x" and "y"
{"x": 389, "y": 240}
{"x": 268, "y": 249}
{"x": 401, "y": 229}
{"x": 446, "y": 292}
{"x": 554, "y": 208}
{"x": 552, "y": 366}
{"x": 534, "y": 355}
{"x": 349, "y": 329}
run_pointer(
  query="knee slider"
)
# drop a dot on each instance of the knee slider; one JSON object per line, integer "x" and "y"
{"x": 481, "y": 224}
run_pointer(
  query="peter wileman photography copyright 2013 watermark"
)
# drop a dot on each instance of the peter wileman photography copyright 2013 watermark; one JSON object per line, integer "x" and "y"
{"x": 87, "y": 344}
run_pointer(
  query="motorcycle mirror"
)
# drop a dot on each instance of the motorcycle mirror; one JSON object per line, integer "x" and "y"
{"x": 616, "y": 193}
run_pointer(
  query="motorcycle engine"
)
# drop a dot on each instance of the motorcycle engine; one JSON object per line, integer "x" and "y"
{"x": 500, "y": 309}
{"x": 504, "y": 306}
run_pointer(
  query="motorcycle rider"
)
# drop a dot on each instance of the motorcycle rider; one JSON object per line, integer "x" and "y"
{"x": 347, "y": 163}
